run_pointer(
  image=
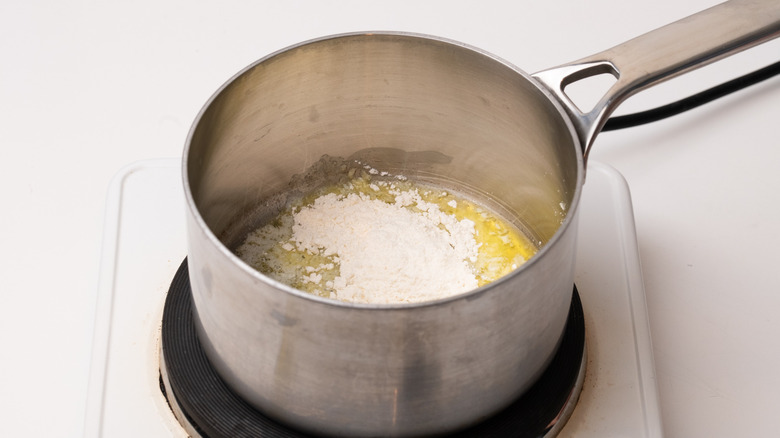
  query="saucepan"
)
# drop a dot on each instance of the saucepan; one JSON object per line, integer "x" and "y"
{"x": 437, "y": 111}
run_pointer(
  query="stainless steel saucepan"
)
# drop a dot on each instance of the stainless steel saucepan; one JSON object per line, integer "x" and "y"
{"x": 436, "y": 111}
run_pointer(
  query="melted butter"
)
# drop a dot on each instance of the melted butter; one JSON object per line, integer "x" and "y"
{"x": 501, "y": 246}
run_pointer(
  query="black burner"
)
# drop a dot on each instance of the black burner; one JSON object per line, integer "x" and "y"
{"x": 197, "y": 393}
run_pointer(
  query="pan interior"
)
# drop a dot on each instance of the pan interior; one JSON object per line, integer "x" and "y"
{"x": 431, "y": 110}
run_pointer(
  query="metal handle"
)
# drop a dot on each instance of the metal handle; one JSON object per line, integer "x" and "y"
{"x": 661, "y": 54}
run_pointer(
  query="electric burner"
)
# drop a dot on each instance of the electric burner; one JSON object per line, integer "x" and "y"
{"x": 145, "y": 242}
{"x": 207, "y": 407}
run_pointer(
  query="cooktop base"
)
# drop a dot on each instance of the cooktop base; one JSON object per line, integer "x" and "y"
{"x": 145, "y": 241}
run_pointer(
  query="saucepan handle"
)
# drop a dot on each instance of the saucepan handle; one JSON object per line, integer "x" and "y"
{"x": 661, "y": 54}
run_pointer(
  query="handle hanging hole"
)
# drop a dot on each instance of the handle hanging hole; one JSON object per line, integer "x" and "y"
{"x": 586, "y": 92}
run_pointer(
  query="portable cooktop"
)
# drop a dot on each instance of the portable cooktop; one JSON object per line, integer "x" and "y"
{"x": 145, "y": 244}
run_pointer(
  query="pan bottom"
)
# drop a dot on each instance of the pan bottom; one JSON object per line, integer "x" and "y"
{"x": 207, "y": 408}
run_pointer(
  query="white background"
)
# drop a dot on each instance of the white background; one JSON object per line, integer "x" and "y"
{"x": 87, "y": 87}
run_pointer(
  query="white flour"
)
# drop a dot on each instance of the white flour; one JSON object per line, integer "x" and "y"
{"x": 388, "y": 253}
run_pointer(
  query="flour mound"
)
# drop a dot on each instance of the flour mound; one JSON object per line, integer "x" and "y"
{"x": 388, "y": 252}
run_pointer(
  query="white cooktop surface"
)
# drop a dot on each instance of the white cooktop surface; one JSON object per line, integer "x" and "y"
{"x": 144, "y": 243}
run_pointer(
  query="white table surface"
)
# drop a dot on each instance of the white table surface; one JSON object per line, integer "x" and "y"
{"x": 88, "y": 87}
